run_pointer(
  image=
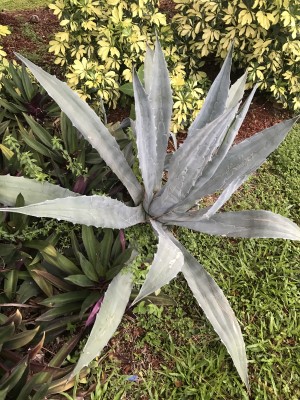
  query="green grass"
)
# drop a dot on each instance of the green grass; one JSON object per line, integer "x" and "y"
{"x": 177, "y": 355}
{"x": 14, "y": 5}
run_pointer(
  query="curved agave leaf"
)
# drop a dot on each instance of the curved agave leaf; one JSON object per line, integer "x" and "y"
{"x": 107, "y": 320}
{"x": 161, "y": 101}
{"x": 244, "y": 224}
{"x": 145, "y": 138}
{"x": 236, "y": 92}
{"x": 215, "y": 102}
{"x": 189, "y": 162}
{"x": 218, "y": 311}
{"x": 32, "y": 191}
{"x": 242, "y": 160}
{"x": 89, "y": 124}
{"x": 148, "y": 68}
{"x": 219, "y": 156}
{"x": 167, "y": 263}
{"x": 99, "y": 211}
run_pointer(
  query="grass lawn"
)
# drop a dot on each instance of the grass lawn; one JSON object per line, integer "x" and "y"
{"x": 22, "y": 4}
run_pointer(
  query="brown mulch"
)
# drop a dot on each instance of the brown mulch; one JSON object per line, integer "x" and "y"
{"x": 41, "y": 21}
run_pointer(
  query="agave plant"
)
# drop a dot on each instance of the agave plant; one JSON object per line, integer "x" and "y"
{"x": 206, "y": 163}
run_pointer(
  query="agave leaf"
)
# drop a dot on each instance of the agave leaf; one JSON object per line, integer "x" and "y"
{"x": 189, "y": 162}
{"x": 245, "y": 224}
{"x": 213, "y": 166}
{"x": 218, "y": 311}
{"x": 148, "y": 68}
{"x": 242, "y": 160}
{"x": 89, "y": 124}
{"x": 107, "y": 320}
{"x": 221, "y": 153}
{"x": 161, "y": 101}
{"x": 99, "y": 211}
{"x": 236, "y": 92}
{"x": 167, "y": 263}
{"x": 145, "y": 137}
{"x": 215, "y": 102}
{"x": 32, "y": 191}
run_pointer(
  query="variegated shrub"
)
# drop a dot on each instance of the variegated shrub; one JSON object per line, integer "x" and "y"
{"x": 206, "y": 163}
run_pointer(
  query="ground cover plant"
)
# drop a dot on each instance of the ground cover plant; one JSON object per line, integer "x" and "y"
{"x": 222, "y": 118}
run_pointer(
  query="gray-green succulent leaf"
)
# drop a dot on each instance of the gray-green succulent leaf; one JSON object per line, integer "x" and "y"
{"x": 98, "y": 211}
{"x": 217, "y": 97}
{"x": 108, "y": 318}
{"x": 32, "y": 191}
{"x": 242, "y": 224}
{"x": 217, "y": 310}
{"x": 167, "y": 263}
{"x": 89, "y": 125}
{"x": 241, "y": 161}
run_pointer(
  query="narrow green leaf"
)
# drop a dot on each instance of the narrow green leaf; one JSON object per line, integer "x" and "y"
{"x": 11, "y": 379}
{"x": 10, "y": 283}
{"x": 89, "y": 124}
{"x": 80, "y": 280}
{"x": 89, "y": 301}
{"x": 20, "y": 339}
{"x": 88, "y": 268}
{"x": 65, "y": 298}
{"x": 98, "y": 211}
{"x": 42, "y": 133}
{"x": 107, "y": 320}
{"x": 59, "y": 311}
{"x": 27, "y": 290}
{"x": 63, "y": 263}
{"x": 6, "y": 332}
{"x": 105, "y": 247}
{"x": 90, "y": 243}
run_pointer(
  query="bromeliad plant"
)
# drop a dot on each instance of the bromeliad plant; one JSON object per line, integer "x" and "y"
{"x": 206, "y": 163}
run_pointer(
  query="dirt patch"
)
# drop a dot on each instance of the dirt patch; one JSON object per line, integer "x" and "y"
{"x": 31, "y": 31}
